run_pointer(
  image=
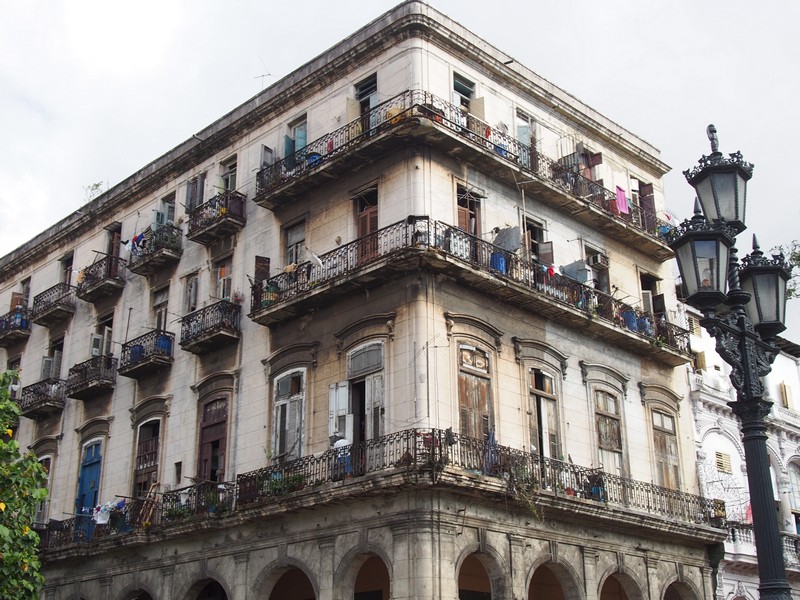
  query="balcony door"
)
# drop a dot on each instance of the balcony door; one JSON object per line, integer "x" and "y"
{"x": 213, "y": 440}
{"x": 367, "y": 215}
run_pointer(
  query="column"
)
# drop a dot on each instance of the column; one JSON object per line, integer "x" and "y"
{"x": 240, "y": 562}
{"x": 590, "y": 556}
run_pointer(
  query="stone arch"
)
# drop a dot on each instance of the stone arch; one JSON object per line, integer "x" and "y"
{"x": 353, "y": 559}
{"x": 686, "y": 590}
{"x": 492, "y": 561}
{"x": 265, "y": 581}
{"x": 733, "y": 437}
{"x": 196, "y": 583}
{"x": 566, "y": 574}
{"x": 134, "y": 591}
{"x": 626, "y": 579}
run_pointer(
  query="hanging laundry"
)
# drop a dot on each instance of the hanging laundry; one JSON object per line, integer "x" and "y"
{"x": 622, "y": 201}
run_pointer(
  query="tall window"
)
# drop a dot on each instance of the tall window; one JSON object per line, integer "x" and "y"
{"x": 367, "y": 98}
{"x": 666, "y": 450}
{"x": 224, "y": 281}
{"x": 14, "y": 364}
{"x": 463, "y": 91}
{"x": 228, "y": 175}
{"x": 195, "y": 190}
{"x": 213, "y": 439}
{"x": 146, "y": 471}
{"x": 51, "y": 364}
{"x": 473, "y": 392}
{"x": 539, "y": 249}
{"x": 356, "y": 405}
{"x": 609, "y": 431}
{"x": 543, "y": 414}
{"x": 526, "y": 135}
{"x": 89, "y": 479}
{"x": 288, "y": 416}
{"x": 295, "y": 243}
{"x": 469, "y": 210}
{"x": 165, "y": 214}
{"x": 65, "y": 276}
{"x": 101, "y": 340}
{"x": 295, "y": 141}
{"x": 160, "y": 302}
{"x": 190, "y": 288}
{"x": 794, "y": 493}
{"x": 367, "y": 215}
{"x": 40, "y": 516}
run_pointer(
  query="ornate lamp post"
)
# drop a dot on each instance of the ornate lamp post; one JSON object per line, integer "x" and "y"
{"x": 743, "y": 308}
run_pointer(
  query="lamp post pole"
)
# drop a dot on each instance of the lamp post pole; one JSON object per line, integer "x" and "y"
{"x": 744, "y": 323}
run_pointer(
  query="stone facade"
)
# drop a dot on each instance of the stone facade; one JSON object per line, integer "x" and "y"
{"x": 402, "y": 326}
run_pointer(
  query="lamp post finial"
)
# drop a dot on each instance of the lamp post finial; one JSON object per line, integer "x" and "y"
{"x": 711, "y": 131}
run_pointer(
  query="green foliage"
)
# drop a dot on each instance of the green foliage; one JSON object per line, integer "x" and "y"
{"x": 792, "y": 253}
{"x": 22, "y": 481}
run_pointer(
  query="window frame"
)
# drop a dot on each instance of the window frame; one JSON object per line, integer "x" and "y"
{"x": 476, "y": 426}
{"x": 281, "y": 407}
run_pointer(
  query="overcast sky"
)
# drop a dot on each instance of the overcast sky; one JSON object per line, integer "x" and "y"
{"x": 91, "y": 90}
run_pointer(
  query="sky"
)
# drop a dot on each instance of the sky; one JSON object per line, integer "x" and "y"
{"x": 92, "y": 90}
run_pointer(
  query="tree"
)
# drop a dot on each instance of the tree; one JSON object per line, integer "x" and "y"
{"x": 792, "y": 253}
{"x": 22, "y": 487}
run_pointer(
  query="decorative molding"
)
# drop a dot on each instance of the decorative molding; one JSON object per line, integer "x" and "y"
{"x": 46, "y": 445}
{"x": 219, "y": 381}
{"x": 657, "y": 393}
{"x": 620, "y": 380}
{"x": 535, "y": 349}
{"x": 380, "y": 324}
{"x": 94, "y": 427}
{"x": 154, "y": 406}
{"x": 295, "y": 354}
{"x": 469, "y": 322}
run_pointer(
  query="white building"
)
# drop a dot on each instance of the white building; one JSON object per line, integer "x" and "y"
{"x": 414, "y": 243}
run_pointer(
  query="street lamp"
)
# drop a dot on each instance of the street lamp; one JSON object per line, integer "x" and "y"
{"x": 743, "y": 308}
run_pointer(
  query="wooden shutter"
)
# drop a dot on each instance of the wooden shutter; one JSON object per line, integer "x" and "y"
{"x": 648, "y": 204}
{"x": 340, "y": 418}
{"x": 17, "y": 299}
{"x": 293, "y": 428}
{"x": 374, "y": 405}
{"x": 546, "y": 253}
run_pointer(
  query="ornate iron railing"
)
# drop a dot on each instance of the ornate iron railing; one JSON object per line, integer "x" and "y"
{"x": 97, "y": 368}
{"x": 61, "y": 294}
{"x": 417, "y": 103}
{"x": 16, "y": 320}
{"x": 424, "y": 233}
{"x": 213, "y": 498}
{"x": 47, "y": 391}
{"x": 227, "y": 204}
{"x": 153, "y": 343}
{"x": 127, "y": 516}
{"x": 161, "y": 237}
{"x": 221, "y": 316}
{"x": 107, "y": 268}
{"x": 147, "y": 453}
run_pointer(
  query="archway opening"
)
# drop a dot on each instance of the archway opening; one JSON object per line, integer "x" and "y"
{"x": 140, "y": 595}
{"x": 473, "y": 580}
{"x": 293, "y": 585}
{"x": 372, "y": 581}
{"x": 613, "y": 590}
{"x": 679, "y": 591}
{"x": 212, "y": 591}
{"x": 545, "y": 584}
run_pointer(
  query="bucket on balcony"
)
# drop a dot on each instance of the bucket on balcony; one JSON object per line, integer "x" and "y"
{"x": 164, "y": 345}
{"x": 271, "y": 294}
{"x": 497, "y": 262}
{"x": 137, "y": 353}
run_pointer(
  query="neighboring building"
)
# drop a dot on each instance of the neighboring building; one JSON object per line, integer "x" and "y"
{"x": 721, "y": 465}
{"x": 412, "y": 243}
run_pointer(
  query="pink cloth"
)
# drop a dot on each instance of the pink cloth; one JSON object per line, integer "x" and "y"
{"x": 622, "y": 201}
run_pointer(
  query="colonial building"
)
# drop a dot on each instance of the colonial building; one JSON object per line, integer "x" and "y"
{"x": 400, "y": 326}
{"x": 721, "y": 465}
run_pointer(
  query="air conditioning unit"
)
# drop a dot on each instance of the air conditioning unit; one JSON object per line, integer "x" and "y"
{"x": 598, "y": 260}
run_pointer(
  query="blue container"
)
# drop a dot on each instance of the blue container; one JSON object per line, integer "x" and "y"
{"x": 498, "y": 262}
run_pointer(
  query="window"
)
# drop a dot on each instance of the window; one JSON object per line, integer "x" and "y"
{"x": 14, "y": 364}
{"x": 40, "y": 516}
{"x": 597, "y": 263}
{"x": 195, "y": 191}
{"x": 473, "y": 392}
{"x": 288, "y": 416}
{"x": 165, "y": 214}
{"x": 51, "y": 364}
{"x": 25, "y": 291}
{"x": 665, "y": 442}
{"x": 114, "y": 238}
{"x": 89, "y": 480}
{"x": 356, "y": 405}
{"x": 469, "y": 210}
{"x": 534, "y": 237}
{"x": 295, "y": 243}
{"x": 224, "y": 282}
{"x": 543, "y": 415}
{"x": 146, "y": 469}
{"x": 190, "y": 293}
{"x": 463, "y": 91}
{"x": 526, "y": 135}
{"x": 65, "y": 275}
{"x": 295, "y": 141}
{"x": 367, "y": 215}
{"x": 267, "y": 156}
{"x": 160, "y": 301}
{"x": 609, "y": 431}
{"x": 794, "y": 493}
{"x": 213, "y": 439}
{"x": 228, "y": 175}
{"x": 643, "y": 208}
{"x": 367, "y": 98}
{"x": 723, "y": 462}
{"x": 101, "y": 339}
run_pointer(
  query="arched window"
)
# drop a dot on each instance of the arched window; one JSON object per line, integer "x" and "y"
{"x": 794, "y": 493}
{"x": 474, "y": 384}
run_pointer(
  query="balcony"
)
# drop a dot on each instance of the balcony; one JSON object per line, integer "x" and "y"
{"x": 42, "y": 399}
{"x": 412, "y": 459}
{"x": 92, "y": 378}
{"x": 101, "y": 279}
{"x": 146, "y": 354}
{"x": 156, "y": 249}
{"x": 417, "y": 116}
{"x": 55, "y": 305}
{"x": 14, "y": 327}
{"x": 211, "y": 327}
{"x": 223, "y": 215}
{"x": 419, "y": 242}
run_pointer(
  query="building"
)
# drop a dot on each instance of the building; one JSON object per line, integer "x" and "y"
{"x": 401, "y": 325}
{"x": 721, "y": 465}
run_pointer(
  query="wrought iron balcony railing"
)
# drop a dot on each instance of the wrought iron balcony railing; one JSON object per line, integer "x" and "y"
{"x": 210, "y": 326}
{"x": 222, "y": 215}
{"x": 102, "y": 278}
{"x": 156, "y": 247}
{"x": 54, "y": 305}
{"x": 432, "y": 455}
{"x": 424, "y": 234}
{"x": 42, "y": 398}
{"x": 146, "y": 353}
{"x": 14, "y": 326}
{"x": 92, "y": 377}
{"x": 395, "y": 113}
